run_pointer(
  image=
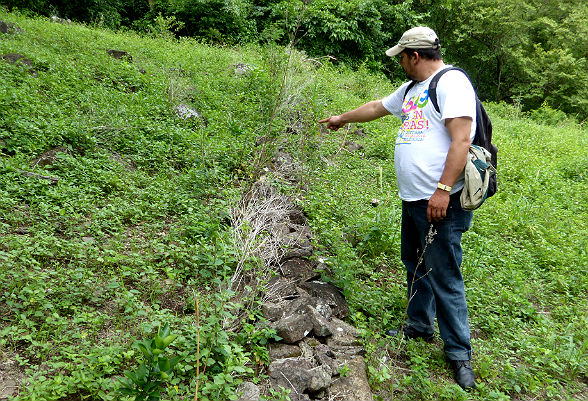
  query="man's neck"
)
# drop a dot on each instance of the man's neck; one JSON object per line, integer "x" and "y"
{"x": 428, "y": 68}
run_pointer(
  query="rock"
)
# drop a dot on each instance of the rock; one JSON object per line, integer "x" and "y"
{"x": 320, "y": 325}
{"x": 341, "y": 327}
{"x": 248, "y": 392}
{"x": 8, "y": 27}
{"x": 330, "y": 294}
{"x": 19, "y": 59}
{"x": 278, "y": 289}
{"x": 293, "y": 328}
{"x": 49, "y": 157}
{"x": 57, "y": 20}
{"x": 186, "y": 112}
{"x": 352, "y": 146}
{"x": 272, "y": 312}
{"x": 354, "y": 384}
{"x": 343, "y": 337}
{"x": 299, "y": 375}
{"x": 298, "y": 246}
{"x": 299, "y": 269}
{"x": 11, "y": 379}
{"x": 120, "y": 54}
{"x": 300, "y": 306}
{"x": 242, "y": 69}
{"x": 327, "y": 358}
{"x": 282, "y": 351}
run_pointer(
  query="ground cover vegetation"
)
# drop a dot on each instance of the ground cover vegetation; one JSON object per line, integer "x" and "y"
{"x": 116, "y": 241}
{"x": 534, "y": 51}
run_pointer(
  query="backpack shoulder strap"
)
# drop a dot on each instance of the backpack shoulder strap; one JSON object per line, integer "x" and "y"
{"x": 435, "y": 81}
{"x": 409, "y": 87}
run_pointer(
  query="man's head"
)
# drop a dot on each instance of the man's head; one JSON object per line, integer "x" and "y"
{"x": 420, "y": 39}
{"x": 419, "y": 53}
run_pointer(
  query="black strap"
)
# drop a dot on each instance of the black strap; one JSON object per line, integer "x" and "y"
{"x": 435, "y": 81}
{"x": 433, "y": 85}
{"x": 409, "y": 87}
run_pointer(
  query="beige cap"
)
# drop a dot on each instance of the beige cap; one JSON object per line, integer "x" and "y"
{"x": 419, "y": 37}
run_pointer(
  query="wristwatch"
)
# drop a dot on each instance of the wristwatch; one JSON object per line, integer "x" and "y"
{"x": 444, "y": 187}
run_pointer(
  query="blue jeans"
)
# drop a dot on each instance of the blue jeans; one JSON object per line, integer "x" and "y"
{"x": 435, "y": 286}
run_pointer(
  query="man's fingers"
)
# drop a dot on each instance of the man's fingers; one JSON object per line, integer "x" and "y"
{"x": 324, "y": 120}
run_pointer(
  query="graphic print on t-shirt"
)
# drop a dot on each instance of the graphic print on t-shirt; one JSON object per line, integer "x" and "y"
{"x": 414, "y": 123}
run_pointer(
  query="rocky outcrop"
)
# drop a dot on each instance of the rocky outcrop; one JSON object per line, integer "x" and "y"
{"x": 319, "y": 356}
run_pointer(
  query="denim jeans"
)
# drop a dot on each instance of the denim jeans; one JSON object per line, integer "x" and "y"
{"x": 435, "y": 286}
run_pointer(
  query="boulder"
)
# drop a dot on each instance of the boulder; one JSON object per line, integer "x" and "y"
{"x": 330, "y": 294}
{"x": 320, "y": 325}
{"x": 186, "y": 112}
{"x": 248, "y": 392}
{"x": 282, "y": 351}
{"x": 120, "y": 54}
{"x": 293, "y": 328}
{"x": 298, "y": 269}
{"x": 299, "y": 375}
{"x": 354, "y": 384}
{"x": 8, "y": 27}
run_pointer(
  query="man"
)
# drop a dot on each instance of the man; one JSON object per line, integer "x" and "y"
{"x": 430, "y": 155}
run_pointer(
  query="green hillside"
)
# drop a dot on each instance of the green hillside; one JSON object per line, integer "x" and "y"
{"x": 115, "y": 219}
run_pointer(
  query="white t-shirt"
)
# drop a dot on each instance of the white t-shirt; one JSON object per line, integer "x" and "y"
{"x": 423, "y": 141}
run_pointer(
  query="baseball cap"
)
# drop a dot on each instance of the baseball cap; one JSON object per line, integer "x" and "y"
{"x": 419, "y": 37}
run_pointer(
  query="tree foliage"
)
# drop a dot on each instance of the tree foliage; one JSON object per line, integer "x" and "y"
{"x": 528, "y": 52}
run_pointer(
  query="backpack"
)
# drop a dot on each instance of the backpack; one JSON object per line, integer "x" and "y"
{"x": 482, "y": 138}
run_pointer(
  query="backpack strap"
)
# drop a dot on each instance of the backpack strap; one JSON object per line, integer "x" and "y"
{"x": 435, "y": 81}
{"x": 409, "y": 87}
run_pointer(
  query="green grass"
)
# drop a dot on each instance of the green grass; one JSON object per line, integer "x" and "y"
{"x": 137, "y": 228}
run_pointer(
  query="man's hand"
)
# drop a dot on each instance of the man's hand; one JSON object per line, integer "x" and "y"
{"x": 438, "y": 204}
{"x": 367, "y": 112}
{"x": 333, "y": 122}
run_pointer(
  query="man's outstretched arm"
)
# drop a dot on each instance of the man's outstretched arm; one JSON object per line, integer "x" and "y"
{"x": 367, "y": 112}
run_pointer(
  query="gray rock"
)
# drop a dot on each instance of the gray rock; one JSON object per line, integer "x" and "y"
{"x": 326, "y": 358}
{"x": 242, "y": 69}
{"x": 49, "y": 157}
{"x": 354, "y": 385}
{"x": 341, "y": 327}
{"x": 298, "y": 269}
{"x": 248, "y": 392}
{"x": 8, "y": 27}
{"x": 320, "y": 325}
{"x": 186, "y": 112}
{"x": 299, "y": 375}
{"x": 293, "y": 328}
{"x": 352, "y": 146}
{"x": 57, "y": 20}
{"x": 330, "y": 294}
{"x": 120, "y": 54}
{"x": 279, "y": 288}
{"x": 272, "y": 312}
{"x": 282, "y": 351}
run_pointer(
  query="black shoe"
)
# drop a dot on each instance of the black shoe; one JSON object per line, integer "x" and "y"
{"x": 412, "y": 333}
{"x": 464, "y": 374}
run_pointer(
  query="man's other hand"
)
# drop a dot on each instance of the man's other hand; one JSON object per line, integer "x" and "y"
{"x": 438, "y": 204}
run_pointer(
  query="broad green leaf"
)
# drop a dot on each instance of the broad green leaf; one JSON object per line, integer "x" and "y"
{"x": 168, "y": 340}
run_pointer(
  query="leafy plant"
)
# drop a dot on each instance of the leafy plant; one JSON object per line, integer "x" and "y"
{"x": 156, "y": 369}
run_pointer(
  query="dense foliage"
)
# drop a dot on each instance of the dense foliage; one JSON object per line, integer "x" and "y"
{"x": 115, "y": 220}
{"x": 533, "y": 52}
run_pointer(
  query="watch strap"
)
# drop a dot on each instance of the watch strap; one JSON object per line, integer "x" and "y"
{"x": 444, "y": 187}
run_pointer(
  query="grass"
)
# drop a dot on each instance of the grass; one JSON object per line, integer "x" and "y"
{"x": 137, "y": 227}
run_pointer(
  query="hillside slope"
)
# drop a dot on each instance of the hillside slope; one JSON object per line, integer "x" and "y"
{"x": 117, "y": 180}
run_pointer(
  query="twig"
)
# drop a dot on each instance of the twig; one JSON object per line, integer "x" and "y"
{"x": 53, "y": 180}
{"x": 197, "y": 311}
